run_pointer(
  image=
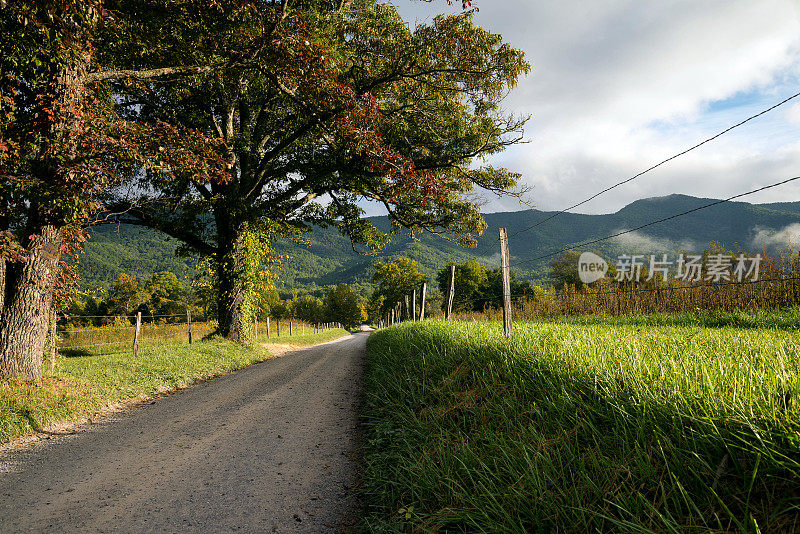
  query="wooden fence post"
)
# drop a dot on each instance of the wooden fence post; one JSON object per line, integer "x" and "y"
{"x": 413, "y": 304}
{"x": 267, "y": 326}
{"x": 136, "y": 335}
{"x": 451, "y": 292}
{"x": 255, "y": 328}
{"x": 290, "y": 328}
{"x": 422, "y": 294}
{"x": 189, "y": 323}
{"x": 278, "y": 326}
{"x": 304, "y": 328}
{"x": 408, "y": 315}
{"x": 506, "y": 273}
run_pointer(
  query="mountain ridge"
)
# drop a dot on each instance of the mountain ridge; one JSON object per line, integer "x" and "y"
{"x": 329, "y": 258}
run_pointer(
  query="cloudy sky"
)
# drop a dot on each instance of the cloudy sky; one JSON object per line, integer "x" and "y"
{"x": 618, "y": 85}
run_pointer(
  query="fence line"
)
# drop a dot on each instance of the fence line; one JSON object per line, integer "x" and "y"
{"x": 775, "y": 289}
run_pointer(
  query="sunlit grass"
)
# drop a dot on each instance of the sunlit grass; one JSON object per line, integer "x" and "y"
{"x": 582, "y": 427}
{"x": 299, "y": 339}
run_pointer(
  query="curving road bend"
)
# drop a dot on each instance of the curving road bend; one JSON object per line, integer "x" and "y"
{"x": 270, "y": 448}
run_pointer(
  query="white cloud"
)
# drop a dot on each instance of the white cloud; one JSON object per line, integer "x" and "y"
{"x": 787, "y": 237}
{"x": 793, "y": 114}
{"x": 640, "y": 243}
{"x": 618, "y": 85}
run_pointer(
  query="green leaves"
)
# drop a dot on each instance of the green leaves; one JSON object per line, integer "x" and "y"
{"x": 344, "y": 306}
{"x": 395, "y": 280}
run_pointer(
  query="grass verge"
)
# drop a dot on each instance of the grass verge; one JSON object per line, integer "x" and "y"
{"x": 566, "y": 427}
{"x": 85, "y": 382}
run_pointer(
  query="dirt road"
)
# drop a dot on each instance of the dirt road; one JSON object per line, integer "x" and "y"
{"x": 266, "y": 449}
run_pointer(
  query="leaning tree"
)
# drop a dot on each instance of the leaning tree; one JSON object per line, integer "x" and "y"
{"x": 61, "y": 144}
{"x": 321, "y": 105}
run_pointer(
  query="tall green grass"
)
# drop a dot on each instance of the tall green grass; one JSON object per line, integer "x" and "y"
{"x": 582, "y": 428}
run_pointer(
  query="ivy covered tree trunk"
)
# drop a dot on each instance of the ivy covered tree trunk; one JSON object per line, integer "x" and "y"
{"x": 231, "y": 276}
{"x": 62, "y": 145}
{"x": 28, "y": 297}
{"x": 30, "y": 280}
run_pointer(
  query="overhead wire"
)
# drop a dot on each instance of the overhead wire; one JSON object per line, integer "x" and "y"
{"x": 657, "y": 165}
{"x": 651, "y": 223}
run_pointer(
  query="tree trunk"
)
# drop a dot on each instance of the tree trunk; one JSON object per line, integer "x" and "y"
{"x": 231, "y": 274}
{"x": 24, "y": 320}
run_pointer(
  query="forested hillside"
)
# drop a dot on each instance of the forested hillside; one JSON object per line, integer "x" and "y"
{"x": 329, "y": 258}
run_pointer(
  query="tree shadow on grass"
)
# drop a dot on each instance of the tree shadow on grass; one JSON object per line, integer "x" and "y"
{"x": 547, "y": 442}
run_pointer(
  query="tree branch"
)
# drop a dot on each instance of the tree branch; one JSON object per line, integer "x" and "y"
{"x": 105, "y": 75}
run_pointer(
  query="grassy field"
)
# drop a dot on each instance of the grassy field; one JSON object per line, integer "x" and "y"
{"x": 300, "y": 340}
{"x": 611, "y": 425}
{"x": 118, "y": 338}
{"x": 84, "y": 381}
{"x": 786, "y": 319}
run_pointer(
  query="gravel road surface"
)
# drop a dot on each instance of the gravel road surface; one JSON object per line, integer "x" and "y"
{"x": 270, "y": 448}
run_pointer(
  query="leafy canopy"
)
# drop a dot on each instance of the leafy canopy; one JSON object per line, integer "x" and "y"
{"x": 324, "y": 99}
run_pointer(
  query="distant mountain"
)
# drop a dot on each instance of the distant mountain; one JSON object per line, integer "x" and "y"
{"x": 329, "y": 259}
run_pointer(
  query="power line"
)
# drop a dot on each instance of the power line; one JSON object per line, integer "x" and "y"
{"x": 698, "y": 145}
{"x": 585, "y": 243}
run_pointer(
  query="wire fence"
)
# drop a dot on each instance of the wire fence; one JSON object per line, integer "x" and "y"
{"x": 608, "y": 298}
{"x": 775, "y": 285}
{"x": 113, "y": 337}
{"x": 117, "y": 339}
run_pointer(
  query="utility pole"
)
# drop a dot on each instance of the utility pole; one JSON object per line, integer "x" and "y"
{"x": 189, "y": 323}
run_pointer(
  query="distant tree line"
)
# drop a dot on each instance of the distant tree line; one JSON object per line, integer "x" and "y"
{"x": 163, "y": 298}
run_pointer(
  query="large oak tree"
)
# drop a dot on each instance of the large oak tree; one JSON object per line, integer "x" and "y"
{"x": 322, "y": 105}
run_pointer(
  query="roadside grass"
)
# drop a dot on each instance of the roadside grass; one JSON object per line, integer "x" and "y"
{"x": 88, "y": 379}
{"x": 568, "y": 427}
{"x": 305, "y": 340}
{"x": 82, "y": 385}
